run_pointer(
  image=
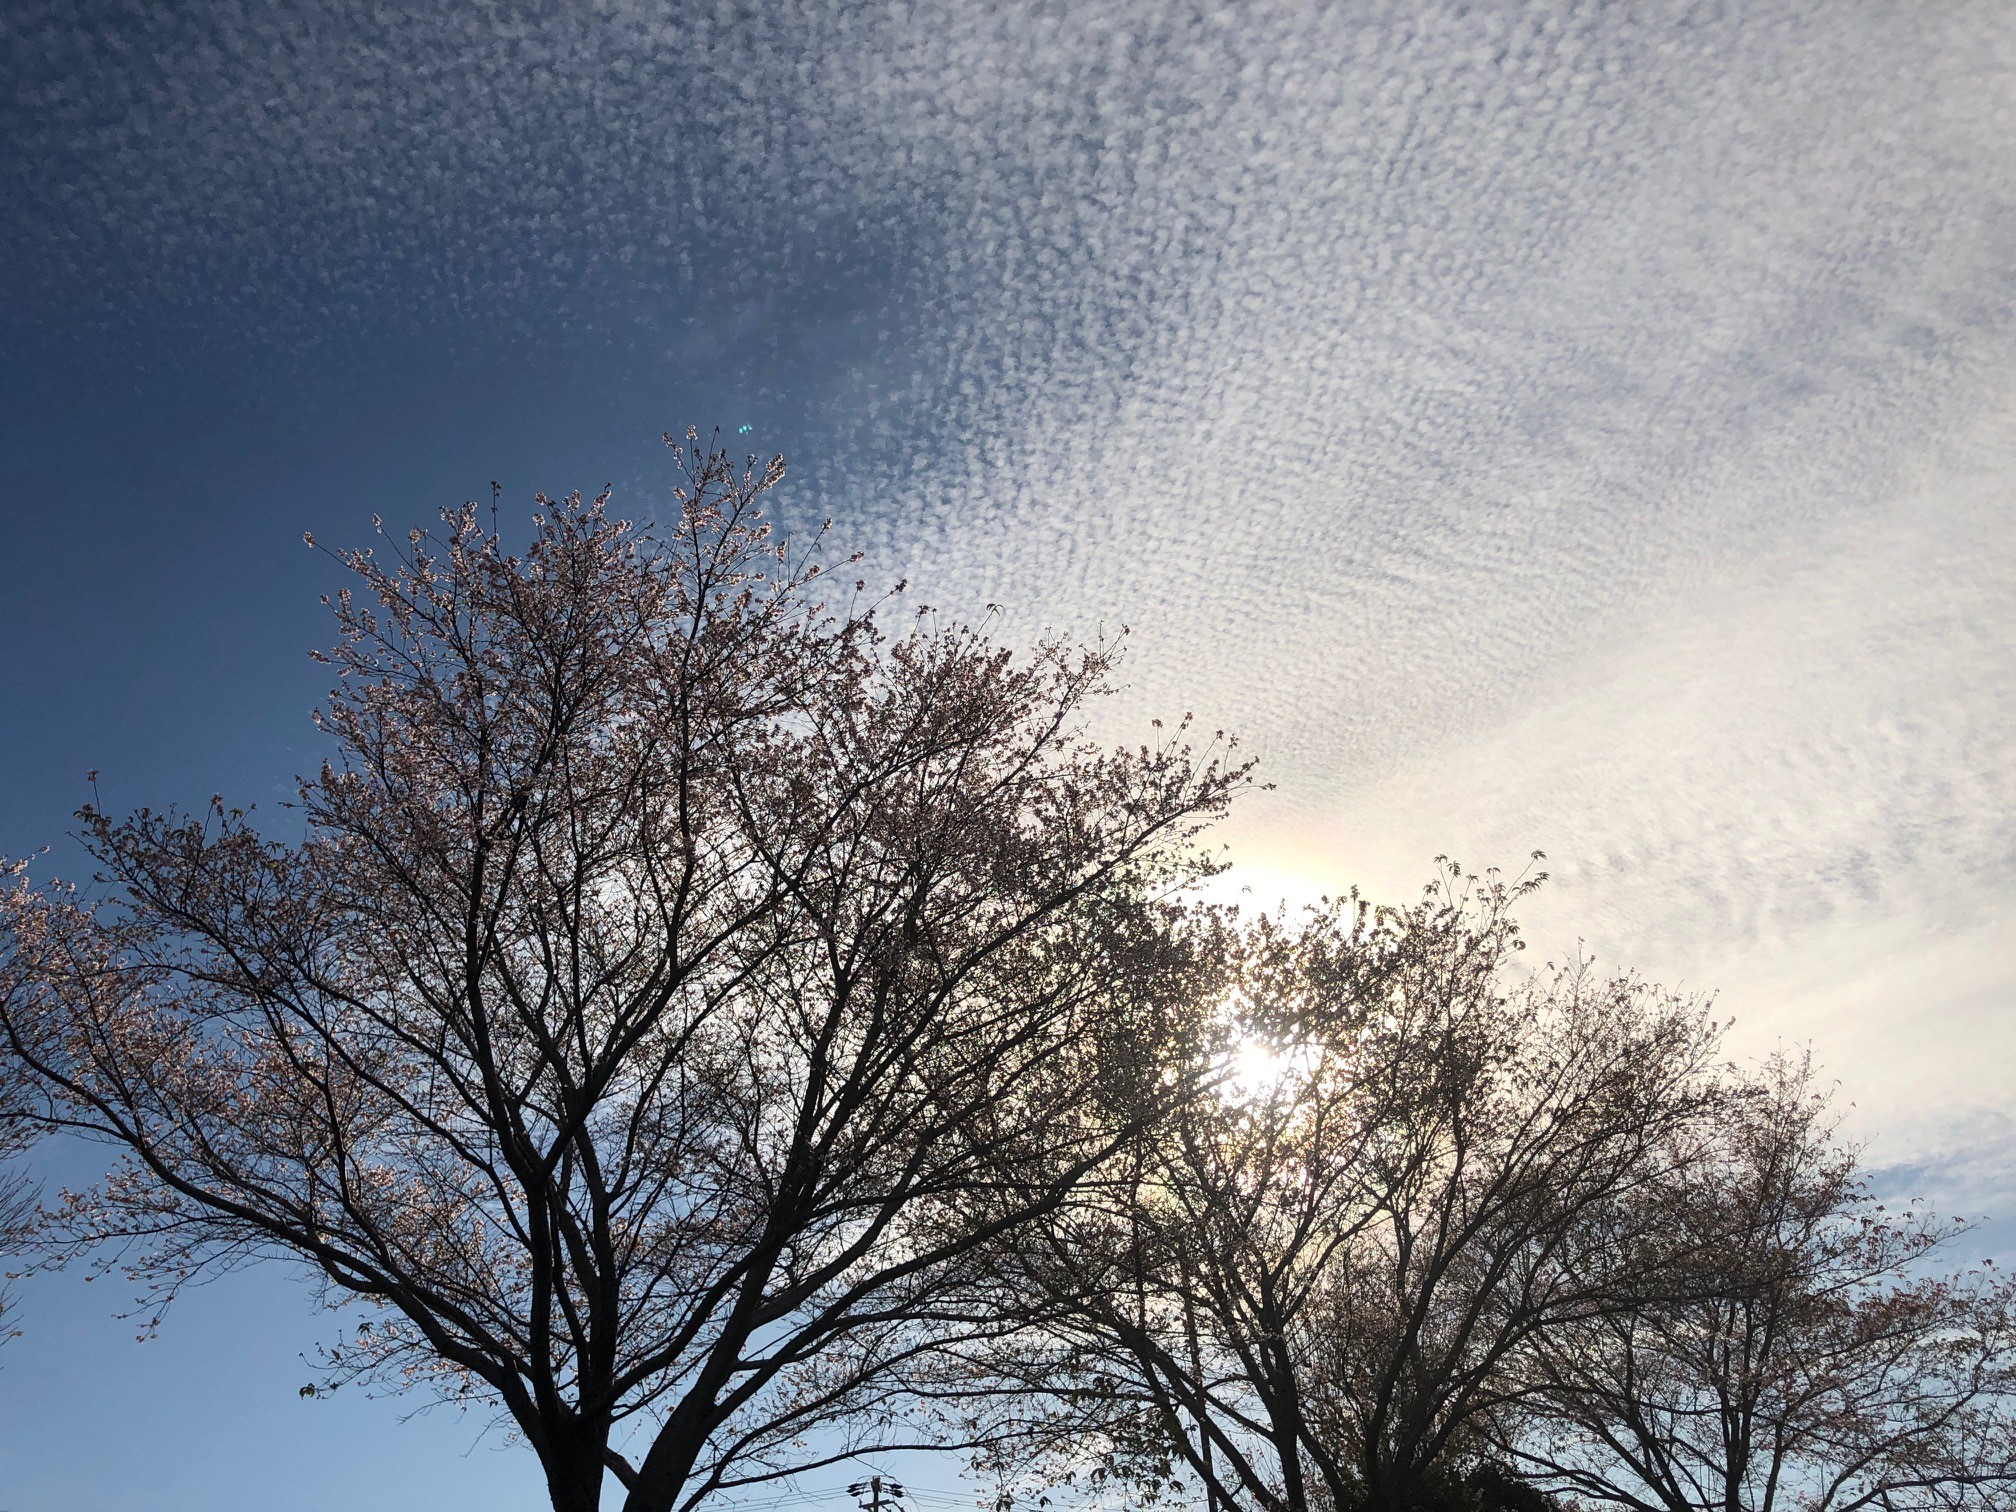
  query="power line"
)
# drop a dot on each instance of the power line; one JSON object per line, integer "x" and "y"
{"x": 894, "y": 1498}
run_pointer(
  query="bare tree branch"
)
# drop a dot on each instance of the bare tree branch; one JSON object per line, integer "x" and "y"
{"x": 680, "y": 979}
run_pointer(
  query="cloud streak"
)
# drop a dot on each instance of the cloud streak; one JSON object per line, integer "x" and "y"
{"x": 1534, "y": 428}
{"x": 1577, "y": 426}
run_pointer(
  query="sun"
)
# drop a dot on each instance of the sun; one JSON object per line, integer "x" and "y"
{"x": 1257, "y": 1069}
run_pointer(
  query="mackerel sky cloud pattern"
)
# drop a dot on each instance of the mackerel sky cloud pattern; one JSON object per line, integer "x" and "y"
{"x": 1580, "y": 426}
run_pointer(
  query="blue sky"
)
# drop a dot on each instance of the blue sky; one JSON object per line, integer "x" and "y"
{"x": 1579, "y": 427}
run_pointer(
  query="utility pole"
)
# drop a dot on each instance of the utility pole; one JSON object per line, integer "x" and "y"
{"x": 877, "y": 1493}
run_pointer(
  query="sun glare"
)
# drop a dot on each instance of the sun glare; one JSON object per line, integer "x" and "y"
{"x": 1259, "y": 1069}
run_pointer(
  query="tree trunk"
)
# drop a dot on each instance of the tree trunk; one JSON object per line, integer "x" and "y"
{"x": 575, "y": 1487}
{"x": 574, "y": 1475}
{"x": 661, "y": 1478}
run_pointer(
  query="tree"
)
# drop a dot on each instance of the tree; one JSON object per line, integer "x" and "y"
{"x": 1800, "y": 1353}
{"x": 1316, "y": 1292}
{"x": 1152, "y": 1306}
{"x": 17, "y": 1194}
{"x": 677, "y": 982}
{"x": 1495, "y": 1223}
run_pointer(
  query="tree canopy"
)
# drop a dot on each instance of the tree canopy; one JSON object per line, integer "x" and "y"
{"x": 679, "y": 977}
{"x": 723, "y": 1026}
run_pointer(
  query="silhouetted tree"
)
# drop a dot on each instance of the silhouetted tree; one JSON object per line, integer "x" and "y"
{"x": 1316, "y": 1290}
{"x": 677, "y": 982}
{"x": 17, "y": 1193}
{"x": 1800, "y": 1353}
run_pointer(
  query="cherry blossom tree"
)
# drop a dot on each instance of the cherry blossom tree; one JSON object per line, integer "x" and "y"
{"x": 17, "y": 1194}
{"x": 1315, "y": 1288}
{"x": 1803, "y": 1350}
{"x": 678, "y": 979}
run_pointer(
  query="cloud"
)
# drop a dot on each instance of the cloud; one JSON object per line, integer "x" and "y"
{"x": 1530, "y": 428}
{"x": 1574, "y": 426}
{"x": 1796, "y": 785}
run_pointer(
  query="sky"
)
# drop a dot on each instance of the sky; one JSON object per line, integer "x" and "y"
{"x": 1583, "y": 428}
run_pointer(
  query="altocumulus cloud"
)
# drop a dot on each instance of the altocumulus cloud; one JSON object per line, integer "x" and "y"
{"x": 1583, "y": 426}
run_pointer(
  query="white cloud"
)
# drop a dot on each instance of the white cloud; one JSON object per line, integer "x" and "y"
{"x": 1795, "y": 784}
{"x": 1573, "y": 426}
{"x": 1530, "y": 428}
